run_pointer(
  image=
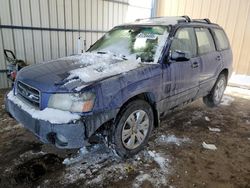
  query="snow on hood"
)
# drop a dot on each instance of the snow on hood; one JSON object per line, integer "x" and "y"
{"x": 98, "y": 66}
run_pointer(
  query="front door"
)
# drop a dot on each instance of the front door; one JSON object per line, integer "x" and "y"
{"x": 182, "y": 73}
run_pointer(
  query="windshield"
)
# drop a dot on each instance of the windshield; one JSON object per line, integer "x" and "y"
{"x": 144, "y": 42}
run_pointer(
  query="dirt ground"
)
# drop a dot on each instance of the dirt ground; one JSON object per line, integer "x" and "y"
{"x": 174, "y": 157}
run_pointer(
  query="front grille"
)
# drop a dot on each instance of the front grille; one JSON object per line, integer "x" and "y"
{"x": 28, "y": 93}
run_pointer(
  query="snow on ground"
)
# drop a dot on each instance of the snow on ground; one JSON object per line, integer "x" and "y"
{"x": 238, "y": 92}
{"x": 161, "y": 161}
{"x": 207, "y": 118}
{"x": 96, "y": 163}
{"x": 209, "y": 146}
{"x": 157, "y": 177}
{"x": 226, "y": 100}
{"x": 214, "y": 129}
{"x": 48, "y": 114}
{"x": 240, "y": 81}
{"x": 87, "y": 162}
{"x": 81, "y": 153}
{"x": 171, "y": 139}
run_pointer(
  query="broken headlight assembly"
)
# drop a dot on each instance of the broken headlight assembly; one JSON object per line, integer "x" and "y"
{"x": 75, "y": 102}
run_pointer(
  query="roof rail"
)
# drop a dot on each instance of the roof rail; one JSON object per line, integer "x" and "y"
{"x": 139, "y": 19}
{"x": 206, "y": 20}
{"x": 187, "y": 18}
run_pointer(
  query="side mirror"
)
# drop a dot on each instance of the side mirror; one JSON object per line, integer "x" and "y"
{"x": 180, "y": 55}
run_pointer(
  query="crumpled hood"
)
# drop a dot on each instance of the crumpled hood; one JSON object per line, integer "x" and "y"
{"x": 74, "y": 72}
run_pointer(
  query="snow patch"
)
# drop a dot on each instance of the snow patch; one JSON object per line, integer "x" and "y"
{"x": 207, "y": 118}
{"x": 80, "y": 87}
{"x": 88, "y": 58}
{"x": 96, "y": 66}
{"x": 140, "y": 179}
{"x": 209, "y": 146}
{"x": 226, "y": 100}
{"x": 158, "y": 159}
{"x": 172, "y": 139}
{"x": 240, "y": 80}
{"x": 68, "y": 161}
{"x": 31, "y": 154}
{"x": 157, "y": 177}
{"x": 104, "y": 69}
{"x": 214, "y": 129}
{"x": 100, "y": 165}
{"x": 238, "y": 92}
{"x": 88, "y": 161}
{"x": 48, "y": 114}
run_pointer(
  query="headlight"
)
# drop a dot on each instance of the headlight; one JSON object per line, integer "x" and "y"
{"x": 72, "y": 102}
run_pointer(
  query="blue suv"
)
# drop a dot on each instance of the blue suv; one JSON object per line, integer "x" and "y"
{"x": 121, "y": 87}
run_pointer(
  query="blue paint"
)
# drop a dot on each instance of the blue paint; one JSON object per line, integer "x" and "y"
{"x": 166, "y": 84}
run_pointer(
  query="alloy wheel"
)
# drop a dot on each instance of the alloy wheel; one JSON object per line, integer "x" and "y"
{"x": 135, "y": 129}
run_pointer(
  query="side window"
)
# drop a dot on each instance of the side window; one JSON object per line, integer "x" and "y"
{"x": 184, "y": 41}
{"x": 204, "y": 40}
{"x": 221, "y": 39}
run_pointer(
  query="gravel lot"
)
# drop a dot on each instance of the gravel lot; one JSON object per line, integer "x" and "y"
{"x": 174, "y": 156}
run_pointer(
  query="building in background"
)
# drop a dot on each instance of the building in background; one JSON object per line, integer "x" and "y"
{"x": 232, "y": 15}
{"x": 41, "y": 30}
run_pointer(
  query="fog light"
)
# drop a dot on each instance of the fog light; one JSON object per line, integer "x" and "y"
{"x": 61, "y": 140}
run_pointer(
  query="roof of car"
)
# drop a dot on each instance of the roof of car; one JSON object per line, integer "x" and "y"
{"x": 171, "y": 20}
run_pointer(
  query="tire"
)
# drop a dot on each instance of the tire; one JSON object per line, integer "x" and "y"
{"x": 213, "y": 99}
{"x": 133, "y": 128}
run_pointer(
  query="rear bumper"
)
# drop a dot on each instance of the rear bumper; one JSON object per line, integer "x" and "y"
{"x": 70, "y": 135}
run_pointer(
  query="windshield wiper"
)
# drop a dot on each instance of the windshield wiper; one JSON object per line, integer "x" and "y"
{"x": 101, "y": 52}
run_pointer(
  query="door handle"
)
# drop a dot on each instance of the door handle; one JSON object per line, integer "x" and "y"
{"x": 218, "y": 58}
{"x": 195, "y": 65}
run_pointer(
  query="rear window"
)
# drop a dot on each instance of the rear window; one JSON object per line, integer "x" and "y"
{"x": 205, "y": 40}
{"x": 221, "y": 39}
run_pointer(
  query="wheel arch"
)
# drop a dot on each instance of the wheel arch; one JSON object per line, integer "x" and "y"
{"x": 225, "y": 72}
{"x": 148, "y": 97}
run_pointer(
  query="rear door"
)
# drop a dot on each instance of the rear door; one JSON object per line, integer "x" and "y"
{"x": 211, "y": 60}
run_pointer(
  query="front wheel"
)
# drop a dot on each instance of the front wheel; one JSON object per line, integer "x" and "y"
{"x": 133, "y": 128}
{"x": 214, "y": 97}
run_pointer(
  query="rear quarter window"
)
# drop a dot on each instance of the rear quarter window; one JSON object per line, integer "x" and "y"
{"x": 221, "y": 39}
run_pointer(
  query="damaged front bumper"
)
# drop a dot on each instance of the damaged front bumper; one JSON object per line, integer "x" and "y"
{"x": 70, "y": 135}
